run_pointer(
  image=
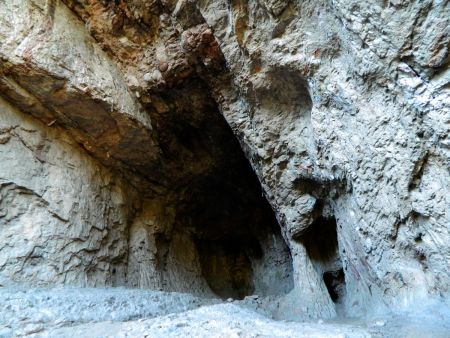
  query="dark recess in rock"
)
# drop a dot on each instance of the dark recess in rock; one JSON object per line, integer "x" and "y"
{"x": 320, "y": 239}
{"x": 335, "y": 283}
{"x": 226, "y": 266}
{"x": 230, "y": 221}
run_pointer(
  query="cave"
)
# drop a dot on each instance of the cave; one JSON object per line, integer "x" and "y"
{"x": 335, "y": 283}
{"x": 223, "y": 221}
{"x": 320, "y": 239}
{"x": 226, "y": 266}
{"x": 321, "y": 243}
{"x": 238, "y": 239}
{"x": 290, "y": 154}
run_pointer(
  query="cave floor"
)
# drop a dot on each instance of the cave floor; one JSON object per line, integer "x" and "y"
{"x": 119, "y": 312}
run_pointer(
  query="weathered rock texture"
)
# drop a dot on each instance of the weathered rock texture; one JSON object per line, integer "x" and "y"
{"x": 119, "y": 165}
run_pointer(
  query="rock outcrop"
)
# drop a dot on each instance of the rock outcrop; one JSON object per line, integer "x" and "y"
{"x": 299, "y": 151}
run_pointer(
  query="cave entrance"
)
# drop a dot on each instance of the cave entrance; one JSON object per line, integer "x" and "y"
{"x": 321, "y": 243}
{"x": 238, "y": 239}
{"x": 320, "y": 240}
{"x": 239, "y": 243}
{"x": 335, "y": 283}
{"x": 227, "y": 266}
{"x": 225, "y": 236}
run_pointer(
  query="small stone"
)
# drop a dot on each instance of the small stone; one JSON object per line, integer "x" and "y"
{"x": 132, "y": 81}
{"x": 153, "y": 76}
{"x": 4, "y": 138}
{"x": 163, "y": 66}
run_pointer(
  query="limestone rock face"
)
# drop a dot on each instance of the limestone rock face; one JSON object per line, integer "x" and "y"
{"x": 63, "y": 216}
{"x": 54, "y": 70}
{"x": 343, "y": 109}
{"x": 297, "y": 150}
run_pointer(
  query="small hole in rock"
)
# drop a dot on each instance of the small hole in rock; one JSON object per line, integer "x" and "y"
{"x": 321, "y": 244}
{"x": 320, "y": 239}
{"x": 418, "y": 238}
{"x": 335, "y": 283}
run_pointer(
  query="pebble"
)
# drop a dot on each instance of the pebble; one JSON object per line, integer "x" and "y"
{"x": 380, "y": 323}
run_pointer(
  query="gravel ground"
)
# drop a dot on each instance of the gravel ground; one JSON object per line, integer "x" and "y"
{"x": 31, "y": 311}
{"x": 119, "y": 312}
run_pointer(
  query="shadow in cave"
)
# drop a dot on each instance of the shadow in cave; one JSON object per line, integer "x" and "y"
{"x": 240, "y": 246}
{"x": 321, "y": 244}
{"x": 320, "y": 239}
{"x": 220, "y": 205}
{"x": 238, "y": 239}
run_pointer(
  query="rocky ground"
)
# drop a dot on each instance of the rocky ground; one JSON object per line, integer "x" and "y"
{"x": 120, "y": 312}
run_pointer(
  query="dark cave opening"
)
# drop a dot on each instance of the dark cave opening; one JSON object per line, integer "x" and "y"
{"x": 335, "y": 283}
{"x": 234, "y": 229}
{"x": 320, "y": 239}
{"x": 219, "y": 201}
{"x": 227, "y": 267}
{"x": 233, "y": 226}
{"x": 321, "y": 243}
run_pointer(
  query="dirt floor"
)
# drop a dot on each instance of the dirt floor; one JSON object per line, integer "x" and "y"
{"x": 119, "y": 312}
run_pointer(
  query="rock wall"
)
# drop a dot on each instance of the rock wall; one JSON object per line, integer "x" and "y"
{"x": 64, "y": 217}
{"x": 340, "y": 107}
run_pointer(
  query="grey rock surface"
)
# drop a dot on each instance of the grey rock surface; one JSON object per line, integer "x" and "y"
{"x": 52, "y": 68}
{"x": 296, "y": 152}
{"x": 63, "y": 215}
{"x": 343, "y": 111}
